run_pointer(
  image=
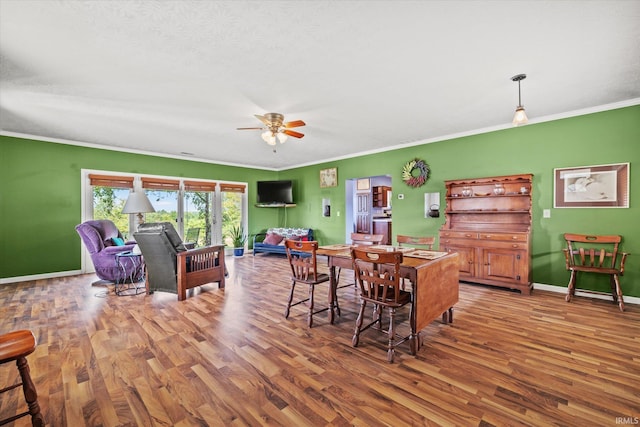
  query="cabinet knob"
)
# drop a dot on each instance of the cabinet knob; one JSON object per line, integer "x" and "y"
{"x": 467, "y": 235}
{"x": 515, "y": 246}
{"x": 514, "y": 237}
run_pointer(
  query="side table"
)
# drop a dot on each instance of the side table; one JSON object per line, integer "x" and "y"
{"x": 129, "y": 284}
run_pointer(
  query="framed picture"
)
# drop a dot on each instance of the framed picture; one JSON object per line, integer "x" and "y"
{"x": 599, "y": 186}
{"x": 328, "y": 177}
{"x": 363, "y": 184}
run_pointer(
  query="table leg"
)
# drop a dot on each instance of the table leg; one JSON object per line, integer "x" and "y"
{"x": 332, "y": 293}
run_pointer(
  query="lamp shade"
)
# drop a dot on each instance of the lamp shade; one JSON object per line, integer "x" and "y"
{"x": 520, "y": 117}
{"x": 137, "y": 202}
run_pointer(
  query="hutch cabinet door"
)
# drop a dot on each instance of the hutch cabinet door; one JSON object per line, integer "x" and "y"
{"x": 504, "y": 264}
{"x": 466, "y": 257}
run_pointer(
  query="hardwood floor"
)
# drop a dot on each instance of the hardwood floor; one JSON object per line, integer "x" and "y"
{"x": 229, "y": 357}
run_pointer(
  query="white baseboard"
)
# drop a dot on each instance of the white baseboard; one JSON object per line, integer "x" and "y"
{"x": 589, "y": 294}
{"x": 39, "y": 276}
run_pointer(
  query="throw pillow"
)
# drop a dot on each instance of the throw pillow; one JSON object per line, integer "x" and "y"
{"x": 272, "y": 239}
{"x": 117, "y": 241}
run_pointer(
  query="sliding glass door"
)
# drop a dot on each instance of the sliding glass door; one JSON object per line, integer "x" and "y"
{"x": 202, "y": 212}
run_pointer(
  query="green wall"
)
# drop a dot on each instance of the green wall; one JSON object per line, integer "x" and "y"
{"x": 599, "y": 138}
{"x": 40, "y": 190}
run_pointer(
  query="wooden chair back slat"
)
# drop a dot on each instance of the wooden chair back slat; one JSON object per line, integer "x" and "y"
{"x": 302, "y": 258}
{"x": 378, "y": 274}
{"x": 582, "y": 252}
{"x": 366, "y": 239}
{"x": 427, "y": 241}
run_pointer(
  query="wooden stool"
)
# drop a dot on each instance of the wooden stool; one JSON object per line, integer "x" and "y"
{"x": 17, "y": 346}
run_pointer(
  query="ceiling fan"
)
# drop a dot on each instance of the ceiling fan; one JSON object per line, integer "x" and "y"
{"x": 276, "y": 129}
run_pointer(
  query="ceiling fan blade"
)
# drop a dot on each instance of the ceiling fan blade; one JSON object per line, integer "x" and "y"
{"x": 263, "y": 119}
{"x": 249, "y": 128}
{"x": 294, "y": 124}
{"x": 293, "y": 133}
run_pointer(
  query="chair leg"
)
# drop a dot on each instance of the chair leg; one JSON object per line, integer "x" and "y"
{"x": 618, "y": 291}
{"x": 30, "y": 394}
{"x": 571, "y": 288}
{"x": 392, "y": 334}
{"x": 336, "y": 306}
{"x": 356, "y": 334}
{"x": 288, "y": 309}
{"x": 310, "y": 316}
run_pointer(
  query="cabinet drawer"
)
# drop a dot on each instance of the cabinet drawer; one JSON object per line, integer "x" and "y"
{"x": 504, "y": 237}
{"x": 459, "y": 234}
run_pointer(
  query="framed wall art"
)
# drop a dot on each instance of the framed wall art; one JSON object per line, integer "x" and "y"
{"x": 363, "y": 184}
{"x": 598, "y": 186}
{"x": 328, "y": 177}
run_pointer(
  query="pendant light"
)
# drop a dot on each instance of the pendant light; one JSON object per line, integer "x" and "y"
{"x": 520, "y": 117}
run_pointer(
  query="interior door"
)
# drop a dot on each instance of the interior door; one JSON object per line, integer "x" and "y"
{"x": 363, "y": 213}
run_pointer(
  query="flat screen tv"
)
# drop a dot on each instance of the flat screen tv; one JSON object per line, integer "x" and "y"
{"x": 275, "y": 192}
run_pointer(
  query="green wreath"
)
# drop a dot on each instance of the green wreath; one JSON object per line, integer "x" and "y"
{"x": 410, "y": 168}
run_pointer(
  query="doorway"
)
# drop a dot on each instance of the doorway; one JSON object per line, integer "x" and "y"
{"x": 368, "y": 200}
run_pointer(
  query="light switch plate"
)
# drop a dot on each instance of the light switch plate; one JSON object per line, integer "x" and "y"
{"x": 546, "y": 213}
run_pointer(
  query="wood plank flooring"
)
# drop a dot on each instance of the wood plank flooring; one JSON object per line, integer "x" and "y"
{"x": 228, "y": 357}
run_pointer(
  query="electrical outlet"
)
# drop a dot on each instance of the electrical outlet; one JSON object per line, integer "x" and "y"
{"x": 337, "y": 213}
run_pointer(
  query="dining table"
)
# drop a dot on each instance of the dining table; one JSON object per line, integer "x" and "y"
{"x": 434, "y": 278}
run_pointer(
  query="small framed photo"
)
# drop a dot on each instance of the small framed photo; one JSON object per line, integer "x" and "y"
{"x": 329, "y": 177}
{"x": 598, "y": 186}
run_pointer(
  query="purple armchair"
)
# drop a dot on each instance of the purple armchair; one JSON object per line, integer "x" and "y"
{"x": 98, "y": 238}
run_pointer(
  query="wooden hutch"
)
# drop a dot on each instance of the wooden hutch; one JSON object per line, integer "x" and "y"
{"x": 488, "y": 223}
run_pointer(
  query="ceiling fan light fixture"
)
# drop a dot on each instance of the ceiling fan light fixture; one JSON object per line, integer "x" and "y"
{"x": 520, "y": 117}
{"x": 274, "y": 128}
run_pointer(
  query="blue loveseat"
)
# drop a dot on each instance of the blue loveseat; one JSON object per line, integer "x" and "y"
{"x": 275, "y": 239}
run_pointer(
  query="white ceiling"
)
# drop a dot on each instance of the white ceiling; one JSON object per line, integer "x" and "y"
{"x": 175, "y": 77}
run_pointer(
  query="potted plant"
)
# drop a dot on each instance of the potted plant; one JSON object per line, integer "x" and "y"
{"x": 239, "y": 237}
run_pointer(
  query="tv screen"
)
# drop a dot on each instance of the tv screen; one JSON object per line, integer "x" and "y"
{"x": 275, "y": 192}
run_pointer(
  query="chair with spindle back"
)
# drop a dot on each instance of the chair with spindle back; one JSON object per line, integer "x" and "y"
{"x": 360, "y": 239}
{"x": 583, "y": 255}
{"x": 425, "y": 242}
{"x": 16, "y": 346}
{"x": 378, "y": 275}
{"x": 304, "y": 269}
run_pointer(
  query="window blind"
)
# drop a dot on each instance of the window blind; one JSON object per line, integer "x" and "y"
{"x": 160, "y": 184}
{"x": 232, "y": 188}
{"x": 111, "y": 181}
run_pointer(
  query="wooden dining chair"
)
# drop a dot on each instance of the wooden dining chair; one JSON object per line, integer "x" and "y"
{"x": 304, "y": 269}
{"x": 595, "y": 254}
{"x": 378, "y": 275}
{"x": 425, "y": 242}
{"x": 360, "y": 239}
{"x": 16, "y": 346}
